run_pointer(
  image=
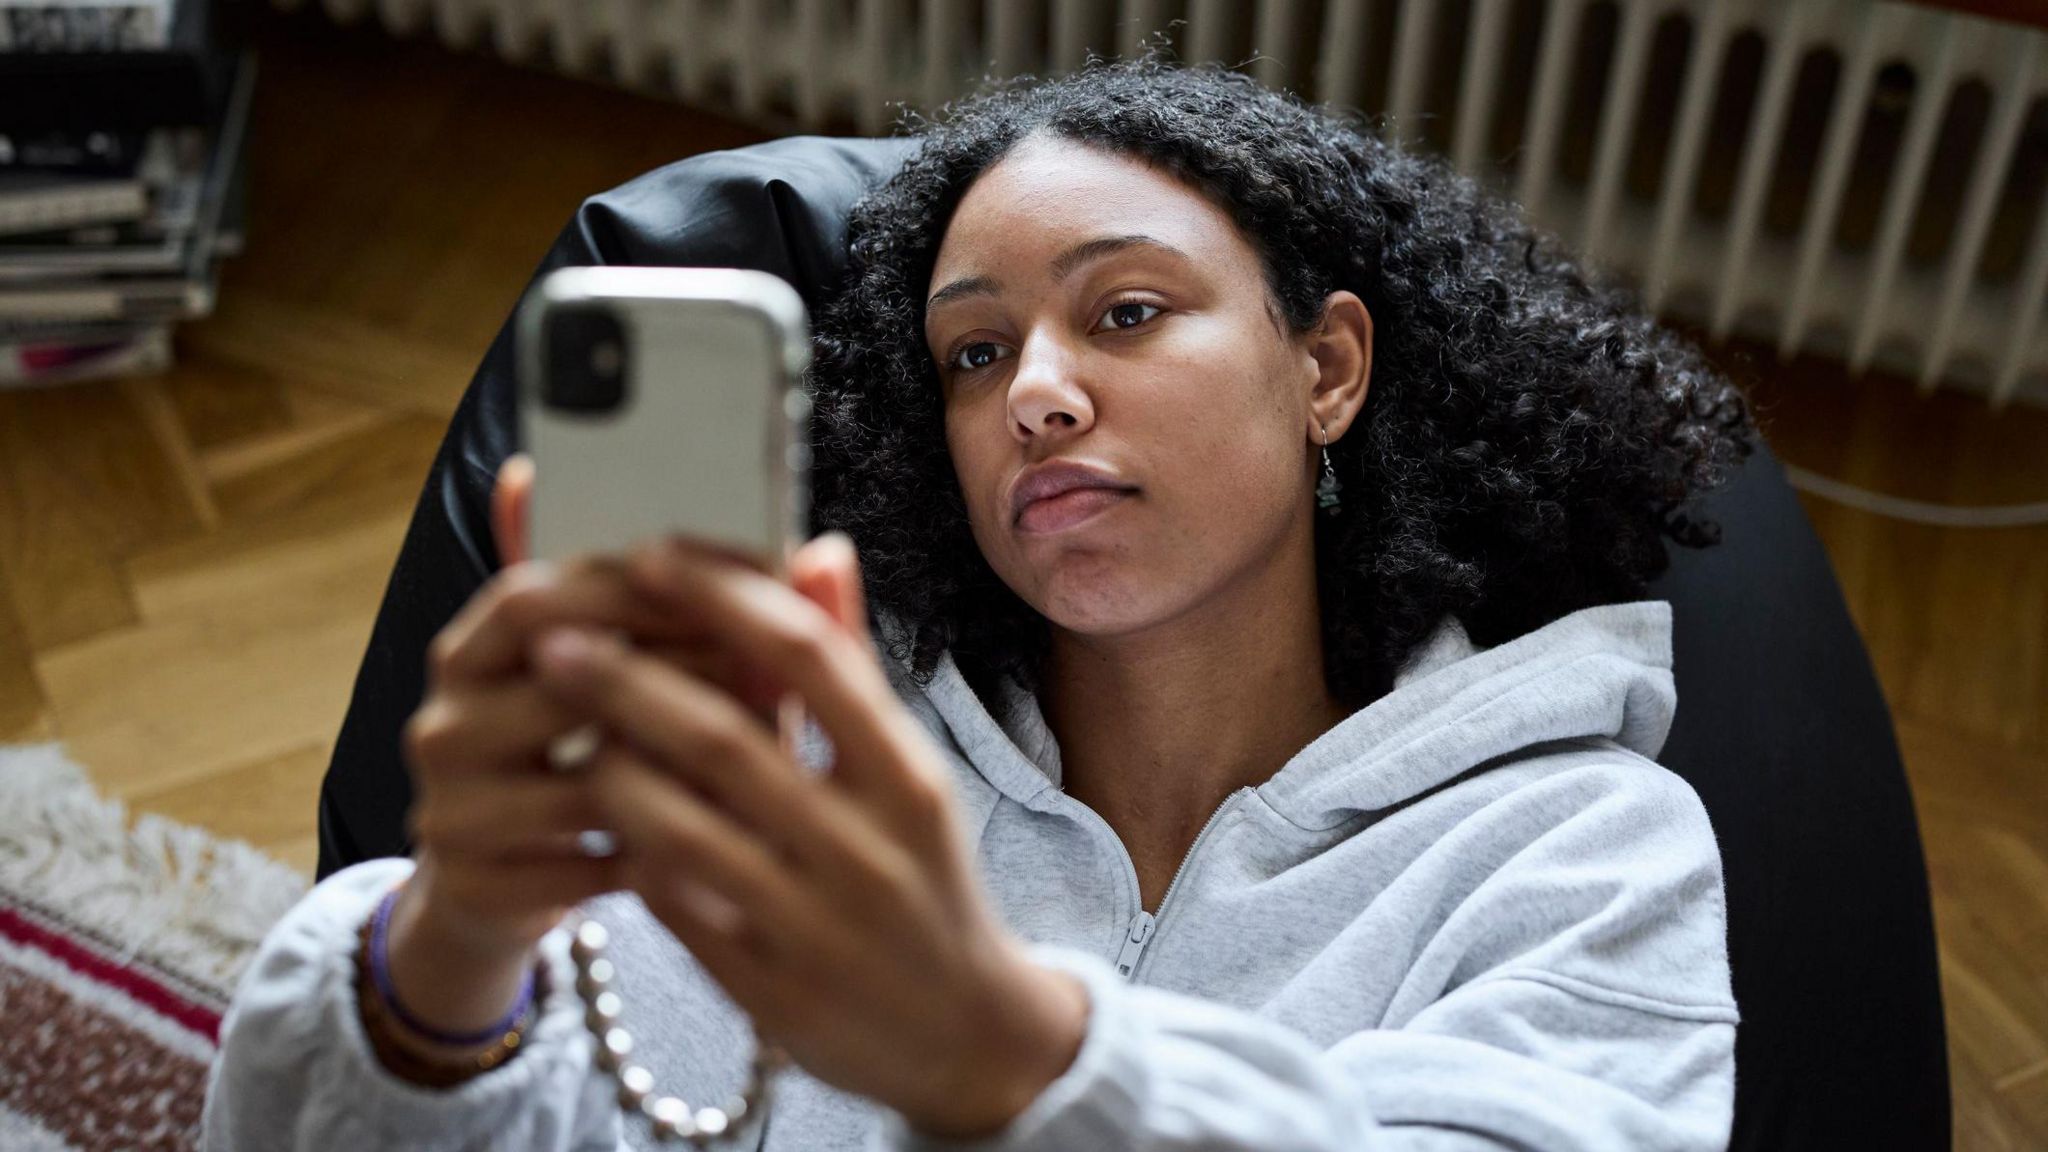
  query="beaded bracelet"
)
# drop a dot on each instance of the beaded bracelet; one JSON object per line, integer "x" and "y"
{"x": 669, "y": 1117}
{"x": 389, "y": 1042}
{"x": 380, "y": 973}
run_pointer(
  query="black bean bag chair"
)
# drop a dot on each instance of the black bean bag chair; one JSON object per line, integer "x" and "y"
{"x": 1781, "y": 728}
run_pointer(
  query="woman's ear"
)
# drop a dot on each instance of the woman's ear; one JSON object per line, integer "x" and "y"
{"x": 1342, "y": 347}
{"x": 511, "y": 497}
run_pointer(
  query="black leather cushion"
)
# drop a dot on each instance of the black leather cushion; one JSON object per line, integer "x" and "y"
{"x": 1780, "y": 728}
{"x": 779, "y": 207}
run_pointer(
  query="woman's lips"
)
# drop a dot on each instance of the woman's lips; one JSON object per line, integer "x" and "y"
{"x": 1067, "y": 509}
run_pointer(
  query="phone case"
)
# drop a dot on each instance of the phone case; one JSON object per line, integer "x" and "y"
{"x": 710, "y": 435}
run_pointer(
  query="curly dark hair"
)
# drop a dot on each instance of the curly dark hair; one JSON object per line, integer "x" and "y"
{"x": 1529, "y": 439}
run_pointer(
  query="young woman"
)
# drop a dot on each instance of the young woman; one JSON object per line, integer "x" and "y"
{"x": 1232, "y": 703}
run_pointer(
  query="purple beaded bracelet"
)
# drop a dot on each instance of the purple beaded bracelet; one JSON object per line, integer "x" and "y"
{"x": 380, "y": 974}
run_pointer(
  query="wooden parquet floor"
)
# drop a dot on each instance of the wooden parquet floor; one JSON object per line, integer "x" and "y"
{"x": 191, "y": 562}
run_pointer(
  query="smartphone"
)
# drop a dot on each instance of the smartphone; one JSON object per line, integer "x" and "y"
{"x": 659, "y": 401}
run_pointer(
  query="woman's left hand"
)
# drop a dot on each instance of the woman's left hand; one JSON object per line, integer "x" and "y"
{"x": 842, "y": 911}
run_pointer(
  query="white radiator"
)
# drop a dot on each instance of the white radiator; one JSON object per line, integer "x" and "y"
{"x": 1861, "y": 179}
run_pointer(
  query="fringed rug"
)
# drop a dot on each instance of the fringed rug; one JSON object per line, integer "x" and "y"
{"x": 119, "y": 950}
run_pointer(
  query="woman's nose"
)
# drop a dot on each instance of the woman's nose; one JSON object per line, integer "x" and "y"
{"x": 1045, "y": 396}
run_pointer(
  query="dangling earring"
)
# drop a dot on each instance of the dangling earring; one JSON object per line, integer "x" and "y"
{"x": 1327, "y": 487}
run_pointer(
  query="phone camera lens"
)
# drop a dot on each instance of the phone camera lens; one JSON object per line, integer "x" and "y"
{"x": 586, "y": 359}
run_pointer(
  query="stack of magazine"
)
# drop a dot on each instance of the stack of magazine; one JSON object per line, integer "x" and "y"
{"x": 123, "y": 126}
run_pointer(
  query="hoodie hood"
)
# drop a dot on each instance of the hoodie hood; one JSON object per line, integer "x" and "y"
{"x": 1601, "y": 673}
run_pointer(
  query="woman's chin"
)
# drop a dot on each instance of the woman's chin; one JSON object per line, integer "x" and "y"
{"x": 1099, "y": 588}
{"x": 1105, "y": 608}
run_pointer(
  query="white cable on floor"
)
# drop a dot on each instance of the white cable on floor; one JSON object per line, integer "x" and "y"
{"x": 1917, "y": 511}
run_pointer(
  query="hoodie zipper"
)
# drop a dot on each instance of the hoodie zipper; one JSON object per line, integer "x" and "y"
{"x": 1138, "y": 932}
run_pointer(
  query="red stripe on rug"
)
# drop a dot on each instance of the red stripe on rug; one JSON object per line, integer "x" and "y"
{"x": 105, "y": 946}
{"x": 132, "y": 981}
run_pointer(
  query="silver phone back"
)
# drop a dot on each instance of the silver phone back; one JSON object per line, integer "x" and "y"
{"x": 710, "y": 438}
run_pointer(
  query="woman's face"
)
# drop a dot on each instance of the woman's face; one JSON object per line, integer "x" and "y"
{"x": 1088, "y": 308}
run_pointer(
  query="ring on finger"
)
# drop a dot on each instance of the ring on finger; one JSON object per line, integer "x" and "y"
{"x": 572, "y": 750}
{"x": 571, "y": 753}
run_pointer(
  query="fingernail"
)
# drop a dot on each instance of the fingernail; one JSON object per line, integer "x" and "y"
{"x": 566, "y": 650}
{"x": 649, "y": 562}
{"x": 710, "y": 906}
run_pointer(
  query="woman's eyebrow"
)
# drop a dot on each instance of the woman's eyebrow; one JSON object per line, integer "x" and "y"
{"x": 961, "y": 289}
{"x": 1063, "y": 265}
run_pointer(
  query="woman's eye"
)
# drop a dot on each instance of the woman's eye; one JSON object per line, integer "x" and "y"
{"x": 979, "y": 354}
{"x": 1131, "y": 310}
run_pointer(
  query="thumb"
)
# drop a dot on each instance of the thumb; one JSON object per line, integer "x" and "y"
{"x": 827, "y": 571}
{"x": 511, "y": 505}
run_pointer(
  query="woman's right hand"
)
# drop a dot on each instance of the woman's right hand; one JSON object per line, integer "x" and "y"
{"x": 495, "y": 828}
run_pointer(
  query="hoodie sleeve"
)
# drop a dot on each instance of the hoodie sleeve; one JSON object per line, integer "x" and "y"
{"x": 295, "y": 1069}
{"x": 1515, "y": 1049}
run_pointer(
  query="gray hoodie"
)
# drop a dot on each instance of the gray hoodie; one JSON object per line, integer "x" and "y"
{"x": 1472, "y": 915}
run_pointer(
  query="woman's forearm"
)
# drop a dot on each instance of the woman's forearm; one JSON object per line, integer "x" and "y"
{"x": 447, "y": 981}
{"x": 290, "y": 1078}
